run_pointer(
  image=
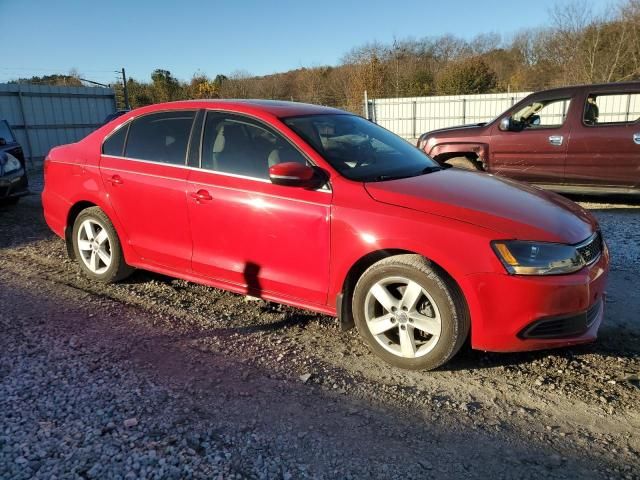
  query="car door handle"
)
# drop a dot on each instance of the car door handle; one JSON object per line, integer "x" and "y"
{"x": 201, "y": 196}
{"x": 636, "y": 138}
{"x": 556, "y": 140}
{"x": 116, "y": 180}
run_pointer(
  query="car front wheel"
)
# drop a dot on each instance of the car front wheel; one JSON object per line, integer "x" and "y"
{"x": 97, "y": 247}
{"x": 409, "y": 313}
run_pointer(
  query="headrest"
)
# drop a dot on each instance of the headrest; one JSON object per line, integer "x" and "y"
{"x": 274, "y": 157}
{"x": 282, "y": 155}
{"x": 218, "y": 144}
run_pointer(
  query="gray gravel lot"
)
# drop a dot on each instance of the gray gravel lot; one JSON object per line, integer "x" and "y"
{"x": 161, "y": 378}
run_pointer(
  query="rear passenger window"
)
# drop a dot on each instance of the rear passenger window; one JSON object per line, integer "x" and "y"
{"x": 241, "y": 146}
{"x": 612, "y": 108}
{"x": 114, "y": 145}
{"x": 160, "y": 137}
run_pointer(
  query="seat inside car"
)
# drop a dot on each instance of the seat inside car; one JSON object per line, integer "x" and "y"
{"x": 284, "y": 154}
{"x": 234, "y": 152}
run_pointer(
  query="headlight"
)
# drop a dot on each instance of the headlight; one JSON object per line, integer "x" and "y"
{"x": 11, "y": 164}
{"x": 538, "y": 258}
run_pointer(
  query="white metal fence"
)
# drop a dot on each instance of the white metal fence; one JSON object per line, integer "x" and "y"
{"x": 410, "y": 117}
{"x": 43, "y": 116}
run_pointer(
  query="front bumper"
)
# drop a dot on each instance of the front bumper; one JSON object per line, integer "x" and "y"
{"x": 505, "y": 307}
{"x": 14, "y": 185}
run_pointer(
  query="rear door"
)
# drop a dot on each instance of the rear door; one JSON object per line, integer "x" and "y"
{"x": 604, "y": 149}
{"x": 143, "y": 170}
{"x": 536, "y": 152}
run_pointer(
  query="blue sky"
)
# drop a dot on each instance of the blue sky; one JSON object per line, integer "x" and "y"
{"x": 214, "y": 37}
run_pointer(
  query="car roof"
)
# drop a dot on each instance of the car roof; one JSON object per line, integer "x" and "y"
{"x": 596, "y": 88}
{"x": 277, "y": 108}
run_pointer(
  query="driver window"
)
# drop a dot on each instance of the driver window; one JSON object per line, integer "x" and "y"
{"x": 241, "y": 146}
{"x": 543, "y": 113}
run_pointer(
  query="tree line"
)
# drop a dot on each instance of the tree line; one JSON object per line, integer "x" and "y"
{"x": 579, "y": 45}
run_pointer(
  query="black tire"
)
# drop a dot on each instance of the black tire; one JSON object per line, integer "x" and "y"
{"x": 454, "y": 317}
{"x": 463, "y": 163}
{"x": 118, "y": 269}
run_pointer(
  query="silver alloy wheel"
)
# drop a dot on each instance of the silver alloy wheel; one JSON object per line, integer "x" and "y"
{"x": 402, "y": 317}
{"x": 94, "y": 246}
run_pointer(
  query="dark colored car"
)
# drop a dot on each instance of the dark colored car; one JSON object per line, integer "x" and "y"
{"x": 583, "y": 139}
{"x": 114, "y": 115}
{"x": 13, "y": 171}
{"x": 320, "y": 209}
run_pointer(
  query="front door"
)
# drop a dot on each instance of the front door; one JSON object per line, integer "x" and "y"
{"x": 535, "y": 150}
{"x": 146, "y": 182}
{"x": 263, "y": 238}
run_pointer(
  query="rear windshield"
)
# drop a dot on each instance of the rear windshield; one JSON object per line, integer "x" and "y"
{"x": 359, "y": 149}
{"x": 5, "y": 132}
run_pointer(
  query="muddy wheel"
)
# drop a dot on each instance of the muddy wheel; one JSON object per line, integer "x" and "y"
{"x": 97, "y": 247}
{"x": 409, "y": 314}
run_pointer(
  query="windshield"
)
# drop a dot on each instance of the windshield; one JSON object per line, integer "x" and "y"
{"x": 5, "y": 132}
{"x": 359, "y": 149}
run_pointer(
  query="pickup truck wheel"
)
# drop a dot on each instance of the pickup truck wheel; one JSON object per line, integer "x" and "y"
{"x": 409, "y": 313}
{"x": 462, "y": 162}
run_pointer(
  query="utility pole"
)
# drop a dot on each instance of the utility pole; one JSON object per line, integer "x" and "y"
{"x": 126, "y": 90}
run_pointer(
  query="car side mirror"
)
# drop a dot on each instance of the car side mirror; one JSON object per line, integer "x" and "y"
{"x": 534, "y": 120}
{"x": 292, "y": 174}
{"x": 2, "y": 141}
{"x": 505, "y": 124}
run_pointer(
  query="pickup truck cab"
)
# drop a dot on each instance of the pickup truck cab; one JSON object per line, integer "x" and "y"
{"x": 581, "y": 139}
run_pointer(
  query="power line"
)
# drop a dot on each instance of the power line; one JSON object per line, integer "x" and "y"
{"x": 58, "y": 69}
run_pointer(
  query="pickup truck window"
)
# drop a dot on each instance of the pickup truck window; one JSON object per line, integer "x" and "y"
{"x": 543, "y": 113}
{"x": 617, "y": 108}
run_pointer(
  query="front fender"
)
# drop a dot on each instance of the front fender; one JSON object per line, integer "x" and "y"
{"x": 459, "y": 248}
{"x": 451, "y": 149}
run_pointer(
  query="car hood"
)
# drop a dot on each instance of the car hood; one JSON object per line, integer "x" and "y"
{"x": 461, "y": 130}
{"x": 513, "y": 209}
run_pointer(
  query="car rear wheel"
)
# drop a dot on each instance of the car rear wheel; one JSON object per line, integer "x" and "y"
{"x": 97, "y": 247}
{"x": 463, "y": 162}
{"x": 409, "y": 314}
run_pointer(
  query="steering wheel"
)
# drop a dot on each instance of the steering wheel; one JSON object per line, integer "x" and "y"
{"x": 365, "y": 154}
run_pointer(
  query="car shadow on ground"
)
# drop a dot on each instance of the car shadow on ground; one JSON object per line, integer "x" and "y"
{"x": 615, "y": 340}
{"x": 223, "y": 391}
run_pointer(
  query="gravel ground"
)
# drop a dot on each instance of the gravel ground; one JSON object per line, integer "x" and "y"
{"x": 162, "y": 378}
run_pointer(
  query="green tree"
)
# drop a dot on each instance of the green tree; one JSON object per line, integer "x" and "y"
{"x": 165, "y": 88}
{"x": 465, "y": 77}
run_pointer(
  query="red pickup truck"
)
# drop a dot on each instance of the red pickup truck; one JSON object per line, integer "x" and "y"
{"x": 583, "y": 139}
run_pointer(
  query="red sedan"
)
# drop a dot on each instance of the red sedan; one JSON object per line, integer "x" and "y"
{"x": 324, "y": 210}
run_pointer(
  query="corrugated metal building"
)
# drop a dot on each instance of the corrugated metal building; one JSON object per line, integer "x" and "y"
{"x": 44, "y": 116}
